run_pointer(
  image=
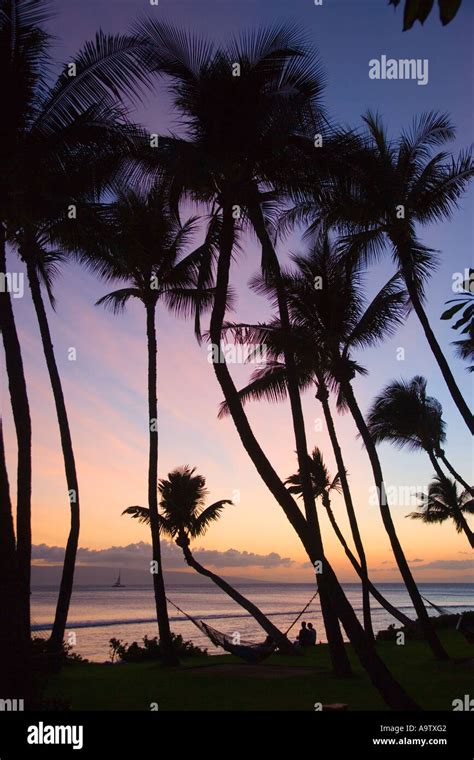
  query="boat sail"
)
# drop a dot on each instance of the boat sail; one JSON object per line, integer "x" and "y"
{"x": 118, "y": 583}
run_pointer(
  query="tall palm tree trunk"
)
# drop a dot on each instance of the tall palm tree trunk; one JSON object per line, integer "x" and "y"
{"x": 437, "y": 352}
{"x": 391, "y": 691}
{"x": 166, "y": 643}
{"x": 271, "y": 630}
{"x": 425, "y": 623}
{"x": 455, "y": 474}
{"x": 459, "y": 514}
{"x": 67, "y": 578}
{"x": 15, "y": 666}
{"x": 340, "y": 660}
{"x": 373, "y": 589}
{"x": 323, "y": 397}
{"x": 22, "y": 420}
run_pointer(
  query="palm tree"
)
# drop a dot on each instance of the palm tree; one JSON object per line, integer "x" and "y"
{"x": 15, "y": 663}
{"x": 340, "y": 321}
{"x": 47, "y": 129}
{"x": 268, "y": 382}
{"x": 408, "y": 185}
{"x": 45, "y": 265}
{"x": 103, "y": 148}
{"x": 105, "y": 154}
{"x": 406, "y": 416}
{"x": 277, "y": 77}
{"x": 464, "y": 302}
{"x": 145, "y": 244}
{"x": 22, "y": 420}
{"x": 444, "y": 503}
{"x": 388, "y": 188}
{"x": 323, "y": 484}
{"x": 246, "y": 110}
{"x": 183, "y": 517}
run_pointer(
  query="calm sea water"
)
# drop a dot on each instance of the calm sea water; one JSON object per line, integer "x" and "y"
{"x": 98, "y": 612}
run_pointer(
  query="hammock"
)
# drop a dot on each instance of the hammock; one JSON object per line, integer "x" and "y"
{"x": 250, "y": 651}
{"x": 461, "y": 625}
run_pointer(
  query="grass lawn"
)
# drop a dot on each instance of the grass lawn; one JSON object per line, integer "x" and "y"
{"x": 281, "y": 683}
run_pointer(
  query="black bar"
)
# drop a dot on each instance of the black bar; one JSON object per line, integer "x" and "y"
{"x": 131, "y": 734}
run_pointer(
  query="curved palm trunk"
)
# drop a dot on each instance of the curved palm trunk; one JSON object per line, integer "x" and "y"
{"x": 456, "y": 475}
{"x": 372, "y": 589}
{"x": 428, "y": 630}
{"x": 435, "y": 347}
{"x": 22, "y": 420}
{"x": 340, "y": 660}
{"x": 392, "y": 692}
{"x": 271, "y": 630}
{"x": 67, "y": 578}
{"x": 323, "y": 396}
{"x": 459, "y": 514}
{"x": 166, "y": 643}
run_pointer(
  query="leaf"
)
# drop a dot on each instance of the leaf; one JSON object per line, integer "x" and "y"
{"x": 416, "y": 10}
{"x": 467, "y": 316}
{"x": 425, "y": 7}
{"x": 448, "y": 10}
{"x": 449, "y": 313}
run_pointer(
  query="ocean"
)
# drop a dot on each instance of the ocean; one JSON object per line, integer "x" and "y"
{"x": 99, "y": 613}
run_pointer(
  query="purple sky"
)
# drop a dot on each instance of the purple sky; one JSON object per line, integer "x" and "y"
{"x": 105, "y": 387}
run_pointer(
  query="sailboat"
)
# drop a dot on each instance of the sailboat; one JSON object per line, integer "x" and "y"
{"x": 117, "y": 583}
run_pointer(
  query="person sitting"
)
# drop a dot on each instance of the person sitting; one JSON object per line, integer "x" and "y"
{"x": 303, "y": 636}
{"x": 311, "y": 635}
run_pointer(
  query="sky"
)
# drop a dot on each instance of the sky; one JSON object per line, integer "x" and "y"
{"x": 105, "y": 387}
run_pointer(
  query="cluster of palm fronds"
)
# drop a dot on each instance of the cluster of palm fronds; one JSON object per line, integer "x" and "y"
{"x": 82, "y": 182}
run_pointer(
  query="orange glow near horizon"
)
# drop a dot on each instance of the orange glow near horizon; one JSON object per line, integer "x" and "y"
{"x": 108, "y": 417}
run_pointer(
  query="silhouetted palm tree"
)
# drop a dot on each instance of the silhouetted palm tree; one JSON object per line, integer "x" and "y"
{"x": 268, "y": 382}
{"x": 236, "y": 155}
{"x": 146, "y": 245}
{"x": 323, "y": 484}
{"x": 49, "y": 130}
{"x": 406, "y": 416}
{"x": 183, "y": 517}
{"x": 464, "y": 302}
{"x": 388, "y": 189}
{"x": 15, "y": 654}
{"x": 245, "y": 110}
{"x": 40, "y": 264}
{"x": 444, "y": 503}
{"x": 340, "y": 321}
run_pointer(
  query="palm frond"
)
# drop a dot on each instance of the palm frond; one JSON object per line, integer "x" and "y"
{"x": 117, "y": 301}
{"x": 107, "y": 68}
{"x": 428, "y": 130}
{"x": 207, "y": 516}
{"x": 386, "y": 312}
{"x": 142, "y": 514}
{"x": 174, "y": 51}
{"x": 269, "y": 383}
{"x": 438, "y": 198}
{"x": 407, "y": 417}
{"x": 442, "y": 503}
